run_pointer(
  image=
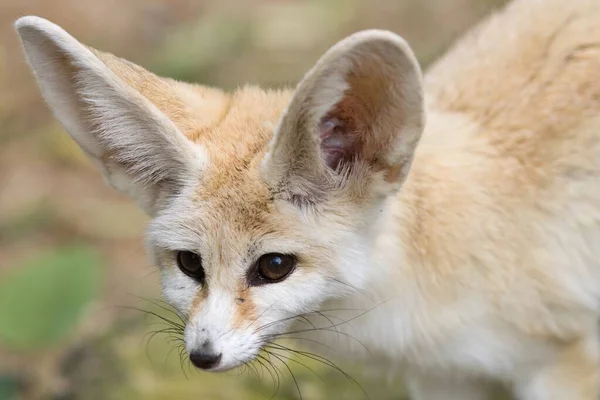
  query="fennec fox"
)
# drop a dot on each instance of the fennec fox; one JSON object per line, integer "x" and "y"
{"x": 473, "y": 238}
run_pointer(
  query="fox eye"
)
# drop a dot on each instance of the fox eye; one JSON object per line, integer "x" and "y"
{"x": 272, "y": 268}
{"x": 191, "y": 264}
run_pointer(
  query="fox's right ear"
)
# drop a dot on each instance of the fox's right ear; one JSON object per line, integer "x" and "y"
{"x": 141, "y": 151}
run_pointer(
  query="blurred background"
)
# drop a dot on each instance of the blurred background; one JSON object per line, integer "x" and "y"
{"x": 72, "y": 262}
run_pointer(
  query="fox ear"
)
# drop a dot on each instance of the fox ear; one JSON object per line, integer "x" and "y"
{"x": 96, "y": 97}
{"x": 358, "y": 112}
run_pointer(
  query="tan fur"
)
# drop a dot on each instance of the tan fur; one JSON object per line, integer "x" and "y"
{"x": 490, "y": 245}
{"x": 192, "y": 108}
{"x": 246, "y": 310}
{"x": 533, "y": 108}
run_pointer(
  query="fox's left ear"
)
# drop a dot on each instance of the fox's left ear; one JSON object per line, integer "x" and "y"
{"x": 358, "y": 114}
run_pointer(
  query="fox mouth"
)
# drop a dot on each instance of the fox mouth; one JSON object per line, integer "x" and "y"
{"x": 263, "y": 351}
{"x": 256, "y": 353}
{"x": 266, "y": 353}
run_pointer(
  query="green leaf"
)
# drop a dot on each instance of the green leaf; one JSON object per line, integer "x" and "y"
{"x": 42, "y": 301}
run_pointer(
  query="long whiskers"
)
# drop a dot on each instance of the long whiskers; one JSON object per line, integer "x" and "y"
{"x": 274, "y": 349}
{"x": 289, "y": 370}
{"x": 273, "y": 355}
{"x": 174, "y": 327}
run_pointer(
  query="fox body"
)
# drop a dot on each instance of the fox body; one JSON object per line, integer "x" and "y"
{"x": 461, "y": 209}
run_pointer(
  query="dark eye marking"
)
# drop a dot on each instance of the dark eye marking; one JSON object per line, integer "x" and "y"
{"x": 271, "y": 268}
{"x": 190, "y": 264}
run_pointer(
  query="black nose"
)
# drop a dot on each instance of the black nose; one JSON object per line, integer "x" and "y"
{"x": 205, "y": 360}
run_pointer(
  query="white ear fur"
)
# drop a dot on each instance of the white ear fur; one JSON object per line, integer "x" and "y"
{"x": 139, "y": 149}
{"x": 362, "y": 103}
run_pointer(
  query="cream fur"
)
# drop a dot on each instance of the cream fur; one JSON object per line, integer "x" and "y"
{"x": 479, "y": 263}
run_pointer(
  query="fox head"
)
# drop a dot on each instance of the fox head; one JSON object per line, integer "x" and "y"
{"x": 263, "y": 204}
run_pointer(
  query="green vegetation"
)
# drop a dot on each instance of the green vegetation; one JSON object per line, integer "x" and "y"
{"x": 42, "y": 301}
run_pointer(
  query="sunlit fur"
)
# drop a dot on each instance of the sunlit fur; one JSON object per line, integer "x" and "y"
{"x": 469, "y": 256}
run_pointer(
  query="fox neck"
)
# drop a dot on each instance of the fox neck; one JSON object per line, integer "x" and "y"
{"x": 409, "y": 255}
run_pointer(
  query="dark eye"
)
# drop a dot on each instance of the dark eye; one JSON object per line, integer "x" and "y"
{"x": 273, "y": 267}
{"x": 191, "y": 264}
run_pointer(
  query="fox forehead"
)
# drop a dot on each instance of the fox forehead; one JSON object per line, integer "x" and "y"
{"x": 228, "y": 212}
{"x": 230, "y": 194}
{"x": 232, "y": 185}
{"x": 244, "y": 129}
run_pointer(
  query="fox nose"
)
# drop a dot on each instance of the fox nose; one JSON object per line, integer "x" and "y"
{"x": 205, "y": 360}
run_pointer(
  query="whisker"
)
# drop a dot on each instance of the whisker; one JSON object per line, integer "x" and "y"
{"x": 353, "y": 288}
{"x": 169, "y": 354}
{"x": 330, "y": 322}
{"x": 311, "y": 340}
{"x": 302, "y": 315}
{"x": 152, "y": 313}
{"x": 167, "y": 307}
{"x": 283, "y": 335}
{"x": 264, "y": 367}
{"x": 323, "y": 360}
{"x": 253, "y": 370}
{"x": 150, "y": 335}
{"x": 148, "y": 341}
{"x": 307, "y": 321}
{"x": 174, "y": 331}
{"x": 298, "y": 362}
{"x": 261, "y": 314}
{"x": 290, "y": 371}
{"x": 182, "y": 357}
{"x": 363, "y": 312}
{"x": 337, "y": 325}
{"x": 278, "y": 373}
